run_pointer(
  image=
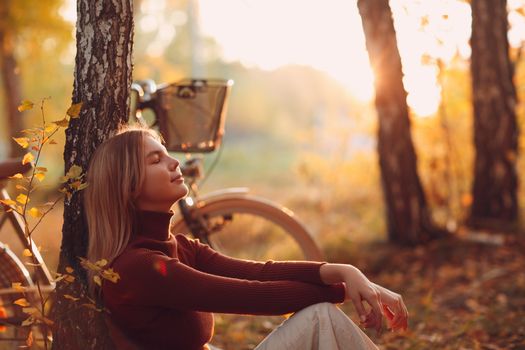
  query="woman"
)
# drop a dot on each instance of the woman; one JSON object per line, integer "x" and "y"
{"x": 170, "y": 285}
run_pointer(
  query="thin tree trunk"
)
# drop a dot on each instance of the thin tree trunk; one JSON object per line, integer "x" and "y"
{"x": 494, "y": 192}
{"x": 408, "y": 216}
{"x": 102, "y": 81}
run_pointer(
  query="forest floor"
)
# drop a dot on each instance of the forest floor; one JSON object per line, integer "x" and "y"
{"x": 462, "y": 293}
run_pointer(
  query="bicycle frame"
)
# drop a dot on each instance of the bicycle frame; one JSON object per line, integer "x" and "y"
{"x": 42, "y": 273}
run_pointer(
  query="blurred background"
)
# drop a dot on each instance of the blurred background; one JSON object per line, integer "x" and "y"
{"x": 301, "y": 126}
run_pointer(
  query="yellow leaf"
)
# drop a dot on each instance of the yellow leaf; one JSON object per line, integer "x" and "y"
{"x": 30, "y": 310}
{"x": 40, "y": 176}
{"x": 28, "y": 158}
{"x": 22, "y": 141}
{"x": 41, "y": 169}
{"x": 50, "y": 128}
{"x": 32, "y": 131}
{"x": 75, "y": 185}
{"x": 29, "y": 340}
{"x": 34, "y": 212}
{"x": 17, "y": 176}
{"x": 74, "y": 110}
{"x": 63, "y": 123}
{"x": 22, "y": 198}
{"x": 101, "y": 262}
{"x": 28, "y": 322}
{"x": 97, "y": 280}
{"x": 21, "y": 188}
{"x": 9, "y": 202}
{"x": 111, "y": 275}
{"x": 82, "y": 186}
{"x": 21, "y": 302}
{"x": 74, "y": 171}
{"x": 18, "y": 286}
{"x": 69, "y": 278}
{"x": 70, "y": 297}
{"x": 69, "y": 269}
{"x": 25, "y": 105}
{"x": 27, "y": 252}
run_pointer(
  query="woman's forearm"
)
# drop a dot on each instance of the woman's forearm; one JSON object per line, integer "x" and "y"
{"x": 333, "y": 273}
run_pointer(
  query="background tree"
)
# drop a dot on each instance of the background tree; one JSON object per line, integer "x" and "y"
{"x": 494, "y": 191}
{"x": 102, "y": 81}
{"x": 23, "y": 27}
{"x": 408, "y": 216}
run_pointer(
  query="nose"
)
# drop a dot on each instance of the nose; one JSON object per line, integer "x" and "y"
{"x": 174, "y": 163}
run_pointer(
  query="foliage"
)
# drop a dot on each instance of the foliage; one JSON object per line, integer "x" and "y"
{"x": 73, "y": 181}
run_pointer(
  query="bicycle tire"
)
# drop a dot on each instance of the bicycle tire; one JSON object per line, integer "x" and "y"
{"x": 12, "y": 270}
{"x": 239, "y": 243}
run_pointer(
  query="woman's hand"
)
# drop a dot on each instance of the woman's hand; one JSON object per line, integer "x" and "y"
{"x": 359, "y": 289}
{"x": 394, "y": 308}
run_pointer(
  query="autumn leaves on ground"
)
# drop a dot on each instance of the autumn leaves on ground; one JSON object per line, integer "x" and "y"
{"x": 462, "y": 293}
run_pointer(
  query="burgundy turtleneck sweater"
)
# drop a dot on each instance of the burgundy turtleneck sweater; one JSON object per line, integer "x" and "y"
{"x": 170, "y": 285}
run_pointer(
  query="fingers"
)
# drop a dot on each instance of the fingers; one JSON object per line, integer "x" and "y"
{"x": 375, "y": 318}
{"x": 400, "y": 319}
{"x": 359, "y": 307}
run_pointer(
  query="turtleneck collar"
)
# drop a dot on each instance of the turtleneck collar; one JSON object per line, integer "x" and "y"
{"x": 153, "y": 224}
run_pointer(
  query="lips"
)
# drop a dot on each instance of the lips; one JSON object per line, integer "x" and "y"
{"x": 176, "y": 177}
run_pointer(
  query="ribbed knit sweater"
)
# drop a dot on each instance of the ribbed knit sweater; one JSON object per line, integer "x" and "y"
{"x": 170, "y": 285}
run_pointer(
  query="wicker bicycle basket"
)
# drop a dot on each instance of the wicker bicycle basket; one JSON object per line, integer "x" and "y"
{"x": 191, "y": 114}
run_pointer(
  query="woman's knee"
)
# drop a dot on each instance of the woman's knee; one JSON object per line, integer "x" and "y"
{"x": 318, "y": 310}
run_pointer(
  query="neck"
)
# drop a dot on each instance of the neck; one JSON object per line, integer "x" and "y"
{"x": 153, "y": 224}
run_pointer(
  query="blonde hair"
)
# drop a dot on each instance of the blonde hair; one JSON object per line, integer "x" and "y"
{"x": 115, "y": 177}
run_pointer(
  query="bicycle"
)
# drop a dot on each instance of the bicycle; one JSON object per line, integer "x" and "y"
{"x": 190, "y": 116}
{"x": 13, "y": 270}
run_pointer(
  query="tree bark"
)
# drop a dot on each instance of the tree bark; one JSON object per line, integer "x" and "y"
{"x": 494, "y": 191}
{"x": 102, "y": 81}
{"x": 11, "y": 79}
{"x": 408, "y": 217}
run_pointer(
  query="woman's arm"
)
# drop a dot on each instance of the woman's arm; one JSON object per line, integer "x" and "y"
{"x": 210, "y": 261}
{"x": 359, "y": 288}
{"x": 149, "y": 278}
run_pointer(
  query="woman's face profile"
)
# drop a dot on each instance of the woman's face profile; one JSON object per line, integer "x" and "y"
{"x": 163, "y": 183}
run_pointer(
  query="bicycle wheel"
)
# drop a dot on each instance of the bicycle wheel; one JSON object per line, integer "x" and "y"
{"x": 11, "y": 270}
{"x": 249, "y": 227}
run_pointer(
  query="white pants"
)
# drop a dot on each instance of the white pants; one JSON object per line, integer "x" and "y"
{"x": 320, "y": 326}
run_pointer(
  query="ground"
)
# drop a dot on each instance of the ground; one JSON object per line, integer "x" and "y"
{"x": 467, "y": 292}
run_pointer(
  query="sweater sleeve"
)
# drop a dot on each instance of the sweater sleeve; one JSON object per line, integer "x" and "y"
{"x": 149, "y": 278}
{"x": 213, "y": 262}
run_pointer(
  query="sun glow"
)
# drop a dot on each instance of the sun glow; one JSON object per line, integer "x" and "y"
{"x": 272, "y": 33}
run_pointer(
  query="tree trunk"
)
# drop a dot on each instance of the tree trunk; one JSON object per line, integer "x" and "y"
{"x": 102, "y": 82}
{"x": 11, "y": 80}
{"x": 408, "y": 217}
{"x": 494, "y": 192}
